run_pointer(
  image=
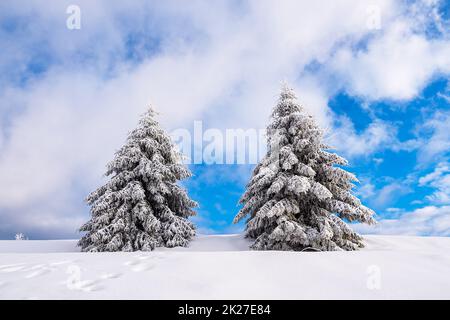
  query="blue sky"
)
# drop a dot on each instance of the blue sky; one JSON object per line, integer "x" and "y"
{"x": 374, "y": 74}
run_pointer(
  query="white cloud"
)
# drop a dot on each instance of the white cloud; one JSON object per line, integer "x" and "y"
{"x": 384, "y": 192}
{"x": 396, "y": 64}
{"x": 389, "y": 193}
{"x": 431, "y": 220}
{"x": 377, "y": 136}
{"x": 438, "y": 143}
{"x": 378, "y": 161}
{"x": 394, "y": 210}
{"x": 441, "y": 169}
{"x": 439, "y": 179}
{"x": 366, "y": 191}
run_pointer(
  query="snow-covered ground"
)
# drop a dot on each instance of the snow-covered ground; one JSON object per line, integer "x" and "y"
{"x": 222, "y": 267}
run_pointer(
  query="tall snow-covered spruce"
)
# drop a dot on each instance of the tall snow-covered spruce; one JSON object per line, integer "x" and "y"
{"x": 297, "y": 197}
{"x": 141, "y": 207}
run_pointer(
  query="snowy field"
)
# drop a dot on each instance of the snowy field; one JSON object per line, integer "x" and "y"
{"x": 222, "y": 267}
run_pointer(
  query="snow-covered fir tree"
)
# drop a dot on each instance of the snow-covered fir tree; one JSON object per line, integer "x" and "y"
{"x": 142, "y": 206}
{"x": 299, "y": 197}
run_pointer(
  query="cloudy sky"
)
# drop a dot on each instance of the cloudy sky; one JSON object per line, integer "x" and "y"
{"x": 373, "y": 73}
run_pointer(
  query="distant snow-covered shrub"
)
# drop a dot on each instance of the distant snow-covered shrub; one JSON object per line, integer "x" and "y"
{"x": 20, "y": 236}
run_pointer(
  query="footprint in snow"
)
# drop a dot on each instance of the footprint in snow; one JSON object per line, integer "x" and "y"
{"x": 39, "y": 272}
{"x": 142, "y": 267}
{"x": 74, "y": 281}
{"x": 7, "y": 268}
{"x": 131, "y": 263}
{"x": 88, "y": 285}
{"x": 35, "y": 267}
{"x": 146, "y": 256}
{"x": 41, "y": 269}
{"x": 141, "y": 263}
{"x": 58, "y": 263}
{"x": 83, "y": 285}
{"x": 106, "y": 276}
{"x": 138, "y": 266}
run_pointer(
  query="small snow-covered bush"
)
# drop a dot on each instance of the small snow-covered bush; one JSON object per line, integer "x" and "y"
{"x": 20, "y": 236}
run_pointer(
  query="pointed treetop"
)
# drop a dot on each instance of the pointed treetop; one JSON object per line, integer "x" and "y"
{"x": 286, "y": 91}
{"x": 287, "y": 102}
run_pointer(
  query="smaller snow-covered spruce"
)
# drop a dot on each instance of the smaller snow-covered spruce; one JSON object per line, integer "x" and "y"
{"x": 297, "y": 198}
{"x": 142, "y": 206}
